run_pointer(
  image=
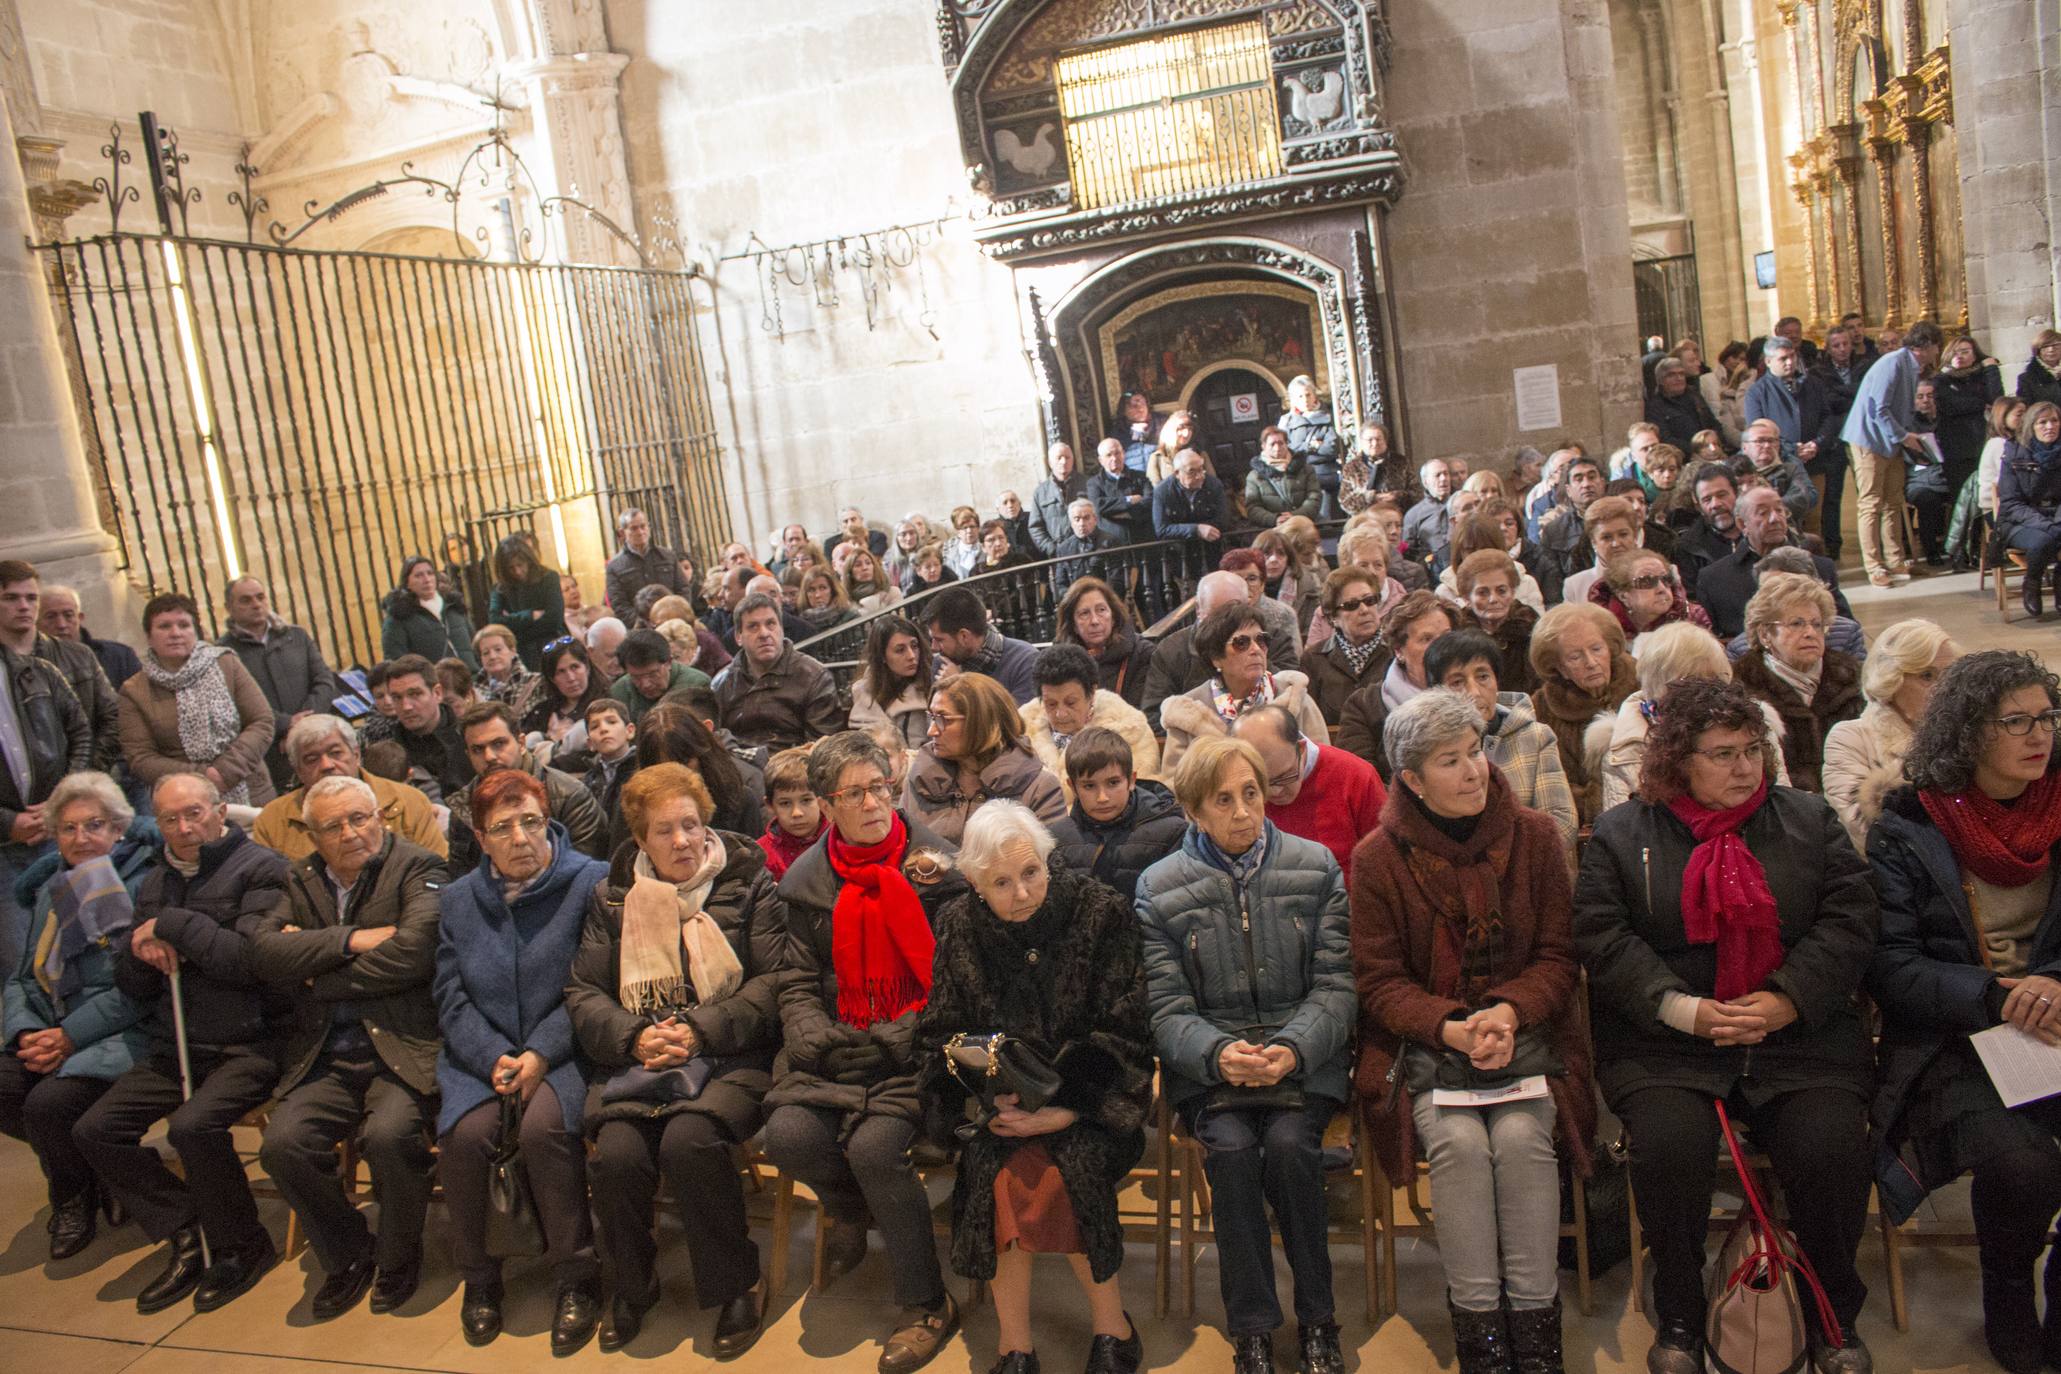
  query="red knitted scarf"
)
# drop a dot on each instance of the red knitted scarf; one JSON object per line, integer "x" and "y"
{"x": 880, "y": 943}
{"x": 2005, "y": 846}
{"x": 1725, "y": 897}
{"x": 782, "y": 849}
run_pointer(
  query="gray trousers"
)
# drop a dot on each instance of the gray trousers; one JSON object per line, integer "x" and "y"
{"x": 1495, "y": 1200}
{"x": 864, "y": 1170}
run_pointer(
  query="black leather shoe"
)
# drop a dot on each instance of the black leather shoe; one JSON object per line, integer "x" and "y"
{"x": 479, "y": 1315}
{"x": 738, "y": 1325}
{"x": 396, "y": 1285}
{"x": 844, "y": 1247}
{"x": 579, "y": 1313}
{"x": 181, "y": 1276}
{"x": 1677, "y": 1349}
{"x": 2029, "y": 595}
{"x": 625, "y": 1320}
{"x": 341, "y": 1291}
{"x": 1016, "y": 1362}
{"x": 1253, "y": 1354}
{"x": 73, "y": 1226}
{"x": 1320, "y": 1352}
{"x": 234, "y": 1274}
{"x": 1116, "y": 1354}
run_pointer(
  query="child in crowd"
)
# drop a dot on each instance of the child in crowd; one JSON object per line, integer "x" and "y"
{"x": 888, "y": 737}
{"x": 797, "y": 813}
{"x": 1126, "y": 825}
{"x": 612, "y": 743}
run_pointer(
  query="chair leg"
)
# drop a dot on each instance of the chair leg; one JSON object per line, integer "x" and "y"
{"x": 1162, "y": 1240}
{"x": 1638, "y": 1257}
{"x": 816, "y": 1278}
{"x": 1581, "y": 1248}
{"x": 783, "y": 1228}
{"x": 1190, "y": 1157}
{"x": 1370, "y": 1239}
{"x": 1893, "y": 1261}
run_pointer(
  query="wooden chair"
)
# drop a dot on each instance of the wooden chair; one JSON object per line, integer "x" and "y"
{"x": 783, "y": 1226}
{"x": 2013, "y": 563}
{"x": 1894, "y": 1241}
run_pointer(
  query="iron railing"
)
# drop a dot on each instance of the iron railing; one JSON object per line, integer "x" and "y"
{"x": 311, "y": 416}
{"x": 1669, "y": 302}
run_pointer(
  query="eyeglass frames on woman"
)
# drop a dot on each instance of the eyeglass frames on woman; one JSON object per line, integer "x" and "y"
{"x": 2022, "y": 722}
{"x": 1240, "y": 643}
{"x": 882, "y": 792}
{"x": 529, "y": 825}
{"x": 1358, "y": 603}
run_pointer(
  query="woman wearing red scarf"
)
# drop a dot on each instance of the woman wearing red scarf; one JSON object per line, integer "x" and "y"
{"x": 1964, "y": 858}
{"x": 1725, "y": 923}
{"x": 861, "y": 906}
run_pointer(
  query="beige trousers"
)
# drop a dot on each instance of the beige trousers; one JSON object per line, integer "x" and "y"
{"x": 1879, "y": 509}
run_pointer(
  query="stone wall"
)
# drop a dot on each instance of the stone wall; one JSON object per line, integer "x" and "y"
{"x": 1509, "y": 247}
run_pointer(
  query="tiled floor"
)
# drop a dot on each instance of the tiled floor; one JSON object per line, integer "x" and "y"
{"x": 80, "y": 1315}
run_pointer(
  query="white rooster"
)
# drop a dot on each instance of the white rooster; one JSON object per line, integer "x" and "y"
{"x": 1033, "y": 159}
{"x": 1319, "y": 104}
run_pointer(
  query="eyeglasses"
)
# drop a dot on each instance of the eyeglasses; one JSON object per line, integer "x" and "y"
{"x": 2021, "y": 723}
{"x": 944, "y": 719}
{"x": 528, "y": 825}
{"x": 1358, "y": 603}
{"x": 1731, "y": 756}
{"x": 1646, "y": 582}
{"x": 882, "y": 792}
{"x": 95, "y": 828}
{"x": 1803, "y": 624}
{"x": 356, "y": 820}
{"x": 1239, "y": 643}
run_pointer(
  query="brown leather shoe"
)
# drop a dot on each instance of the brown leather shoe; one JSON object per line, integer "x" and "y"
{"x": 922, "y": 1333}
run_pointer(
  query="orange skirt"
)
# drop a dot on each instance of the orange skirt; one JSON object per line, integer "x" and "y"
{"x": 1032, "y": 1211}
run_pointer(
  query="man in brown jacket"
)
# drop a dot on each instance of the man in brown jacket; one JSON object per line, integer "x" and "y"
{"x": 355, "y": 938}
{"x": 772, "y": 693}
{"x": 323, "y": 746}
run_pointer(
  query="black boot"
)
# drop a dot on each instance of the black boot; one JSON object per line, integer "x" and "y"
{"x": 1253, "y": 1354}
{"x": 73, "y": 1225}
{"x": 1481, "y": 1340}
{"x": 181, "y": 1276}
{"x": 1535, "y": 1339}
{"x": 1319, "y": 1349}
{"x": 1677, "y": 1349}
{"x": 2029, "y": 591}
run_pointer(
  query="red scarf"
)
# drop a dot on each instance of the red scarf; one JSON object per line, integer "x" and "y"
{"x": 782, "y": 849}
{"x": 1725, "y": 897}
{"x": 2005, "y": 846}
{"x": 880, "y": 942}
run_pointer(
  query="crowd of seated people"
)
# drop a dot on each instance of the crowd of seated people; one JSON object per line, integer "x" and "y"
{"x": 636, "y": 883}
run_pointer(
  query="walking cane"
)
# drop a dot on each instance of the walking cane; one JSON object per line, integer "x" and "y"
{"x": 185, "y": 1073}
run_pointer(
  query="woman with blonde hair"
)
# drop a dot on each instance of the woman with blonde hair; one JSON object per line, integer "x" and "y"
{"x": 1673, "y": 653}
{"x": 822, "y": 601}
{"x": 1864, "y": 757}
{"x": 978, "y": 750}
{"x": 867, "y": 584}
{"x": 1489, "y": 484}
{"x": 1176, "y": 434}
{"x": 1789, "y": 667}
{"x": 708, "y": 655}
{"x": 1585, "y": 674}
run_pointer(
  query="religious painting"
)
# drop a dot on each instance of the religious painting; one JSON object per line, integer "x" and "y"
{"x": 1162, "y": 345}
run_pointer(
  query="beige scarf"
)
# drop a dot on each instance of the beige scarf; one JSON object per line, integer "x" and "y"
{"x": 658, "y": 919}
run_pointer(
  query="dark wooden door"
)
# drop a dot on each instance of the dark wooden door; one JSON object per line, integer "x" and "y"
{"x": 1232, "y": 441}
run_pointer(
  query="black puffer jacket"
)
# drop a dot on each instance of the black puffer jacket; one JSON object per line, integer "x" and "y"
{"x": 1116, "y": 852}
{"x": 740, "y": 1033}
{"x": 1628, "y": 933}
{"x": 808, "y": 993}
{"x": 208, "y": 918}
{"x": 2035, "y": 383}
{"x": 1071, "y": 982}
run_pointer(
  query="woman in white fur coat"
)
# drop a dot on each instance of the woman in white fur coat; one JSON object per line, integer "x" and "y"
{"x": 1666, "y": 655}
{"x": 1069, "y": 701}
{"x": 1864, "y": 758}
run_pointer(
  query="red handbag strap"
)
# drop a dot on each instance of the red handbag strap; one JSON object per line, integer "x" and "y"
{"x": 1790, "y": 1255}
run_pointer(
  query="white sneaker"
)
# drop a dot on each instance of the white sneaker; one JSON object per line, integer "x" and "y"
{"x": 1898, "y": 579}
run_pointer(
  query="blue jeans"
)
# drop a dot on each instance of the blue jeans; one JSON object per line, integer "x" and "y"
{"x": 1257, "y": 1159}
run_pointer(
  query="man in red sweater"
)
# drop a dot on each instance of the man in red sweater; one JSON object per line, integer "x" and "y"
{"x": 1313, "y": 790}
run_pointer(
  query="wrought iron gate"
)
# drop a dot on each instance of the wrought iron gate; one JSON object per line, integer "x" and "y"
{"x": 311, "y": 417}
{"x": 1669, "y": 303}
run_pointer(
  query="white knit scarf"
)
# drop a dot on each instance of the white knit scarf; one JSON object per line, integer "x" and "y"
{"x": 208, "y": 719}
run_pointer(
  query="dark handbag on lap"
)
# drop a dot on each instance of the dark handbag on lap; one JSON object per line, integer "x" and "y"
{"x": 512, "y": 1228}
{"x": 681, "y": 1083}
{"x": 1285, "y": 1096}
{"x": 998, "y": 1065}
{"x": 1532, "y": 1056}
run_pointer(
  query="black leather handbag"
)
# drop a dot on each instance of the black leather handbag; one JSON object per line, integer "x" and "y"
{"x": 513, "y": 1231}
{"x": 999, "y": 1065}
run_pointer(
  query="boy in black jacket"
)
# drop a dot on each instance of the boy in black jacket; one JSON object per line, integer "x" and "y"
{"x": 1126, "y": 826}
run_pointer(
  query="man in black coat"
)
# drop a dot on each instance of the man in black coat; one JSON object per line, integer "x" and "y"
{"x": 190, "y": 918}
{"x": 61, "y": 619}
{"x": 639, "y": 564}
{"x": 1048, "y": 524}
{"x": 1081, "y": 546}
{"x": 427, "y": 728}
{"x": 1716, "y": 532}
{"x": 355, "y": 940}
{"x": 286, "y": 662}
{"x": 1676, "y": 406}
{"x": 1191, "y": 505}
{"x": 1122, "y": 497}
{"x": 851, "y": 524}
{"x": 1724, "y": 588}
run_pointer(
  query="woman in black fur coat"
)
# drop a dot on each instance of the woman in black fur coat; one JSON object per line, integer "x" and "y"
{"x": 1040, "y": 952}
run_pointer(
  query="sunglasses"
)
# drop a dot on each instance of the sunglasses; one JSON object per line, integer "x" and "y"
{"x": 1241, "y": 642}
{"x": 559, "y": 643}
{"x": 1646, "y": 582}
{"x": 1358, "y": 603}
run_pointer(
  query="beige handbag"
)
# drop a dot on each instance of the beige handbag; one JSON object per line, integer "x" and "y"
{"x": 1756, "y": 1323}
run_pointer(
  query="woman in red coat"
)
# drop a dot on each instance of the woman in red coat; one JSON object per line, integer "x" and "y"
{"x": 1463, "y": 958}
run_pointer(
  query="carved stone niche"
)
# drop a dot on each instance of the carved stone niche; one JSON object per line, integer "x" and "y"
{"x": 1324, "y": 60}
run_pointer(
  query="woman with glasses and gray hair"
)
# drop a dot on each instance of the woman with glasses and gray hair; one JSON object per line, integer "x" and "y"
{"x": 1042, "y": 954}
{"x": 1864, "y": 757}
{"x": 1725, "y": 923}
{"x": 1964, "y": 858}
{"x": 862, "y": 904}
{"x": 68, "y": 1030}
{"x": 1464, "y": 962}
{"x": 1810, "y": 687}
{"x": 507, "y": 932}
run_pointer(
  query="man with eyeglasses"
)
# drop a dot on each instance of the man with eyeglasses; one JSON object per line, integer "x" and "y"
{"x": 191, "y": 917}
{"x": 1317, "y": 791}
{"x": 640, "y": 563}
{"x": 355, "y": 941}
{"x": 1724, "y": 588}
{"x": 1769, "y": 457}
{"x": 493, "y": 742}
{"x": 427, "y": 726}
{"x": 324, "y": 746}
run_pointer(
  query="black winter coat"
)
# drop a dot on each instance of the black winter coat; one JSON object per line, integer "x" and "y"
{"x": 2028, "y": 496}
{"x": 740, "y": 1033}
{"x": 1116, "y": 852}
{"x": 89, "y": 683}
{"x": 206, "y": 918}
{"x": 808, "y": 993}
{"x": 1628, "y": 934}
{"x": 2035, "y": 383}
{"x": 1680, "y": 417}
{"x": 1125, "y": 664}
{"x": 1928, "y": 978}
{"x": 1071, "y": 982}
{"x": 1126, "y": 519}
{"x": 1962, "y": 400}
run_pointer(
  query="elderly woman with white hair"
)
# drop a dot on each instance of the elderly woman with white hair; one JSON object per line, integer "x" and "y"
{"x": 1049, "y": 959}
{"x": 1864, "y": 757}
{"x": 1810, "y": 686}
{"x": 69, "y": 1031}
{"x": 1668, "y": 654}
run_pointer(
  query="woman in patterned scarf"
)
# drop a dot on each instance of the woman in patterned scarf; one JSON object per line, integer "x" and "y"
{"x": 195, "y": 708}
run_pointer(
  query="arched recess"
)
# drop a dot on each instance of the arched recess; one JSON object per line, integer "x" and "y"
{"x": 1076, "y": 316}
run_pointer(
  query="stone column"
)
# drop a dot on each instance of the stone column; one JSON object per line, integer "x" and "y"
{"x": 577, "y": 150}
{"x": 47, "y": 508}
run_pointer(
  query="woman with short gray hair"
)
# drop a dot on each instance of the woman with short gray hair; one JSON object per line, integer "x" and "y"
{"x": 1045, "y": 955}
{"x": 1463, "y": 954}
{"x": 1669, "y": 654}
{"x": 1811, "y": 687}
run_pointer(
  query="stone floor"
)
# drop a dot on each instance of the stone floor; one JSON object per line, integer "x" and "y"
{"x": 80, "y": 1314}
